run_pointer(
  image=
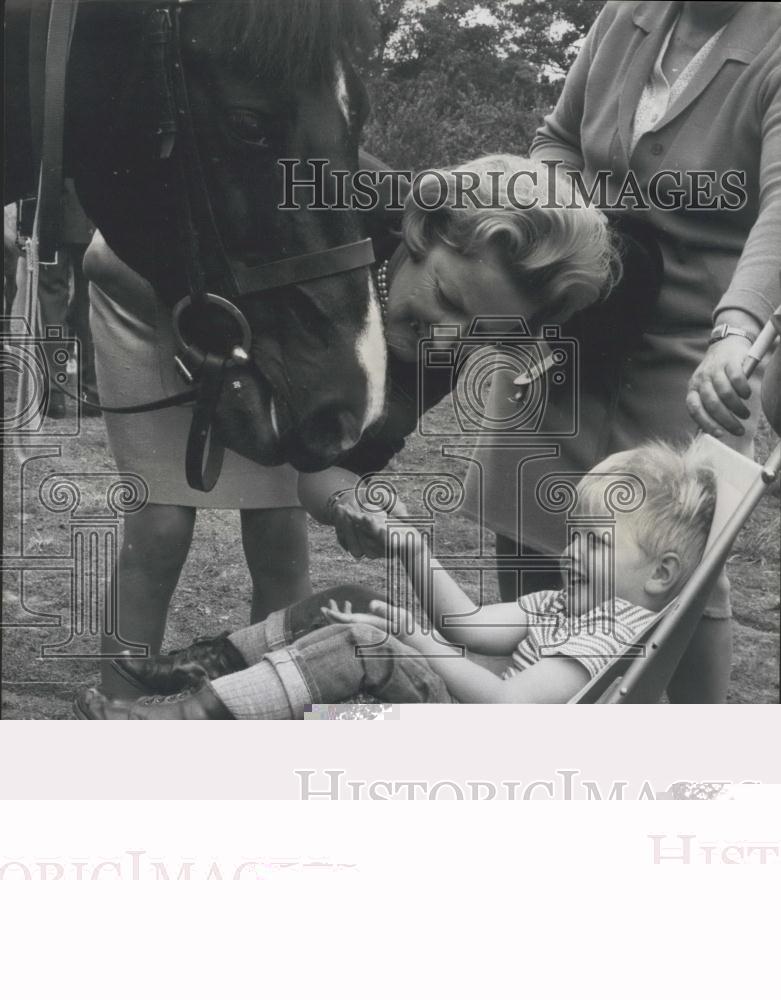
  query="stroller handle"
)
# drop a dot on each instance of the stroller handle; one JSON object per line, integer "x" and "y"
{"x": 764, "y": 343}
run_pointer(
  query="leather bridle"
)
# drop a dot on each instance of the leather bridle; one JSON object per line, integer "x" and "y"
{"x": 215, "y": 279}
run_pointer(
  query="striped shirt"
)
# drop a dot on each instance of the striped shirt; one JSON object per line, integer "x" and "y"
{"x": 594, "y": 639}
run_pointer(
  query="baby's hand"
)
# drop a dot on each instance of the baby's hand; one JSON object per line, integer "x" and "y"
{"x": 399, "y": 620}
{"x": 346, "y": 616}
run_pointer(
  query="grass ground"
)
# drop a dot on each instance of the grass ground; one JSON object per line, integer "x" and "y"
{"x": 213, "y": 594}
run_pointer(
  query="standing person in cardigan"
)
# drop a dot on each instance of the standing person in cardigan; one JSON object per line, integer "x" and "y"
{"x": 677, "y": 88}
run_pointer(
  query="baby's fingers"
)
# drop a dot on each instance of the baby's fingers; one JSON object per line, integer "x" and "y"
{"x": 334, "y": 606}
{"x": 335, "y": 615}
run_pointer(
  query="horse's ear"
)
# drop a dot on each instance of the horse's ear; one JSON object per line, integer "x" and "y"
{"x": 364, "y": 28}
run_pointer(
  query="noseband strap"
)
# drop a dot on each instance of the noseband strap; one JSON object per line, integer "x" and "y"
{"x": 296, "y": 270}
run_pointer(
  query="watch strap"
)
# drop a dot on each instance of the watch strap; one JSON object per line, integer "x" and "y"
{"x": 723, "y": 330}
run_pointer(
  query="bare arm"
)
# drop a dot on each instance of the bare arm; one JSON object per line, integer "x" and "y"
{"x": 553, "y": 680}
{"x": 494, "y": 629}
{"x": 315, "y": 490}
{"x": 329, "y": 497}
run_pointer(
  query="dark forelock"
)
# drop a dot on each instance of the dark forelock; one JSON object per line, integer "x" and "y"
{"x": 295, "y": 41}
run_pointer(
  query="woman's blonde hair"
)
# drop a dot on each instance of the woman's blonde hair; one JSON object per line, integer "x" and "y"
{"x": 553, "y": 244}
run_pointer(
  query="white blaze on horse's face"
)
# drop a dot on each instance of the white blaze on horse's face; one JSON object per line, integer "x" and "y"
{"x": 372, "y": 356}
{"x": 342, "y": 96}
{"x": 371, "y": 347}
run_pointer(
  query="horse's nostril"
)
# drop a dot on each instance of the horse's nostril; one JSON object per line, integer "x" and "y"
{"x": 330, "y": 430}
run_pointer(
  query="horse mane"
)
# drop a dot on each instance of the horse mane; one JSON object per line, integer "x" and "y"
{"x": 294, "y": 41}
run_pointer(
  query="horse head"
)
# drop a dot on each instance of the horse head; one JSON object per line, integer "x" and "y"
{"x": 265, "y": 82}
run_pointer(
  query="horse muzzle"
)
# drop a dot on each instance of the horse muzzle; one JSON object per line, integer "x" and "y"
{"x": 247, "y": 413}
{"x": 247, "y": 419}
{"x": 251, "y": 420}
{"x": 321, "y": 438}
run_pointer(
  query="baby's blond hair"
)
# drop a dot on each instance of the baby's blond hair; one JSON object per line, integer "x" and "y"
{"x": 678, "y": 497}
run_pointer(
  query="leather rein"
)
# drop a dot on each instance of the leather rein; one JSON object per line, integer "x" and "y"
{"x": 214, "y": 278}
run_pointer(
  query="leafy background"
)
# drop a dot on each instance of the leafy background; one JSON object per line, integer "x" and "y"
{"x": 454, "y": 80}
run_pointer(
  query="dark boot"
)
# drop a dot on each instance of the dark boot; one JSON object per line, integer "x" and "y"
{"x": 168, "y": 673}
{"x": 201, "y": 705}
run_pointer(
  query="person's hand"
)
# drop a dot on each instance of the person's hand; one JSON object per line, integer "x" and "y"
{"x": 346, "y": 616}
{"x": 402, "y": 623}
{"x": 397, "y": 620}
{"x": 718, "y": 388}
{"x": 359, "y": 533}
{"x": 384, "y": 616}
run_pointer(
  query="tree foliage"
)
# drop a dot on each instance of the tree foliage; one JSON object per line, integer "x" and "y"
{"x": 455, "y": 79}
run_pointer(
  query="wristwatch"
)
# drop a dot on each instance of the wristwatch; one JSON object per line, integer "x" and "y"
{"x": 727, "y": 330}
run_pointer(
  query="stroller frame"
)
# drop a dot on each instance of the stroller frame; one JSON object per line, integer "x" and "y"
{"x": 643, "y": 678}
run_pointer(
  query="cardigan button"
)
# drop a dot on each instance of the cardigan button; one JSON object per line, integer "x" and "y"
{"x": 657, "y": 149}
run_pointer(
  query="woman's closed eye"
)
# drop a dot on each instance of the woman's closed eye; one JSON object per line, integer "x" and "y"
{"x": 444, "y": 303}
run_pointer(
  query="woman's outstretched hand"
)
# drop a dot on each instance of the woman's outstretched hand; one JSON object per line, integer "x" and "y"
{"x": 718, "y": 388}
{"x": 359, "y": 533}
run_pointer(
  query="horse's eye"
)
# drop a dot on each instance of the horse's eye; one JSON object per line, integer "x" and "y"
{"x": 250, "y": 127}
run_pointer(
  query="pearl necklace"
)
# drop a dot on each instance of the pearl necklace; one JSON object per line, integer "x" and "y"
{"x": 382, "y": 287}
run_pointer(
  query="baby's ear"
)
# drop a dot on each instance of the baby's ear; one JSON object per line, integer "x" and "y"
{"x": 666, "y": 575}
